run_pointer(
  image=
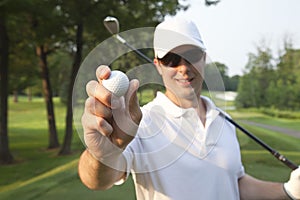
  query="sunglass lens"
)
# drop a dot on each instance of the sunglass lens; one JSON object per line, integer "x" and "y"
{"x": 171, "y": 60}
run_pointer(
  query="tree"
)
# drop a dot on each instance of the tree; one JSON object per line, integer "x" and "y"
{"x": 252, "y": 90}
{"x": 42, "y": 53}
{"x": 246, "y": 92}
{"x": 271, "y": 84}
{"x": 23, "y": 67}
{"x": 46, "y": 27}
{"x": 287, "y": 80}
{"x": 233, "y": 83}
{"x": 76, "y": 15}
{"x": 5, "y": 155}
{"x": 59, "y": 65}
{"x": 216, "y": 72}
{"x": 84, "y": 17}
{"x": 216, "y": 77}
{"x": 39, "y": 24}
{"x": 66, "y": 148}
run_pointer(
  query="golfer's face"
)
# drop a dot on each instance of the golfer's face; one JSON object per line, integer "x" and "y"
{"x": 182, "y": 72}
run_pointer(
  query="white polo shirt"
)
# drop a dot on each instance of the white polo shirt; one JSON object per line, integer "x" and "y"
{"x": 175, "y": 157}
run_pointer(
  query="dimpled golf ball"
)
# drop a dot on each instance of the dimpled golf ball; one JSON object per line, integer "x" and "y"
{"x": 117, "y": 83}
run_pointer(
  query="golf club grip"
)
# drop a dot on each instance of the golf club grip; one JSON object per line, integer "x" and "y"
{"x": 276, "y": 154}
{"x": 286, "y": 161}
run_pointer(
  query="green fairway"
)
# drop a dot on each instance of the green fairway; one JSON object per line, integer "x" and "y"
{"x": 258, "y": 161}
{"x": 255, "y": 116}
{"x": 40, "y": 174}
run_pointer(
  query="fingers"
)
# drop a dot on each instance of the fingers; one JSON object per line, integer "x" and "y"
{"x": 132, "y": 90}
{"x": 132, "y": 101}
{"x": 128, "y": 117}
{"x": 96, "y": 90}
{"x": 103, "y": 72}
{"x": 95, "y": 125}
{"x": 98, "y": 109}
{"x": 98, "y": 114}
{"x": 107, "y": 115}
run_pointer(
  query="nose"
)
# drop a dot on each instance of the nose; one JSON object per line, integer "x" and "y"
{"x": 184, "y": 67}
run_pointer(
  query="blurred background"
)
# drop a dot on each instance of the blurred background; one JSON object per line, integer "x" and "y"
{"x": 44, "y": 42}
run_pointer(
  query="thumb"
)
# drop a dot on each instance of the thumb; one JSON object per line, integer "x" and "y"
{"x": 132, "y": 101}
{"x": 128, "y": 116}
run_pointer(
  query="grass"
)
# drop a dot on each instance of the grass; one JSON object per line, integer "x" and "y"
{"x": 259, "y": 162}
{"x": 256, "y": 116}
{"x": 41, "y": 174}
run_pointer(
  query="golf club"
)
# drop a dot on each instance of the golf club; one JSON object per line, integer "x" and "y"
{"x": 275, "y": 153}
{"x": 112, "y": 25}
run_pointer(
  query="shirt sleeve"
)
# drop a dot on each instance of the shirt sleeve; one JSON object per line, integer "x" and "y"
{"x": 128, "y": 155}
{"x": 241, "y": 173}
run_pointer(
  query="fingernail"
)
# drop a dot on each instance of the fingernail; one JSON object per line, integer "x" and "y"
{"x": 102, "y": 71}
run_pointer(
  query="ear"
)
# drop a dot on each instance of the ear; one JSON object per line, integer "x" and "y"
{"x": 157, "y": 65}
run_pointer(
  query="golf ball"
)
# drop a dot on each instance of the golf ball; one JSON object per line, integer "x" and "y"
{"x": 117, "y": 83}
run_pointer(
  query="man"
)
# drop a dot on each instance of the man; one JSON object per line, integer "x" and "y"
{"x": 178, "y": 146}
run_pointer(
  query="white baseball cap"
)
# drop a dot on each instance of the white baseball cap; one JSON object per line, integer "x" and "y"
{"x": 175, "y": 32}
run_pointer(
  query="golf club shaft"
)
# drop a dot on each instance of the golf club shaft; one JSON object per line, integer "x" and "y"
{"x": 139, "y": 53}
{"x": 275, "y": 153}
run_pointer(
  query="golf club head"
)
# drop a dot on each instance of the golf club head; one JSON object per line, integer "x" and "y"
{"x": 111, "y": 24}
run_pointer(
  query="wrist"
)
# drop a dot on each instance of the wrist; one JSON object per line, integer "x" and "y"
{"x": 108, "y": 154}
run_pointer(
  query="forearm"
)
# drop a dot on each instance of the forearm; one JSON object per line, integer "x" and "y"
{"x": 251, "y": 188}
{"x": 95, "y": 175}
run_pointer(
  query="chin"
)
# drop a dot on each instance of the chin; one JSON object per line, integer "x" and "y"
{"x": 188, "y": 95}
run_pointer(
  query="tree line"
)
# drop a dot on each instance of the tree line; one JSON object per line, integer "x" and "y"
{"x": 271, "y": 82}
{"x": 42, "y": 42}
{"x": 216, "y": 78}
{"x": 36, "y": 34}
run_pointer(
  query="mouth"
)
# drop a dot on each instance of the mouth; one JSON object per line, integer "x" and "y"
{"x": 184, "y": 82}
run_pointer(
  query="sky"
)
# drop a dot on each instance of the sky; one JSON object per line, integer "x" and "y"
{"x": 234, "y": 28}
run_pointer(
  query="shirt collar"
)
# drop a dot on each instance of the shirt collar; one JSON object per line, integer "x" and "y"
{"x": 176, "y": 111}
{"x": 211, "y": 110}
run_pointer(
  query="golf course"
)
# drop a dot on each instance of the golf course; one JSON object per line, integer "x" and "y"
{"x": 39, "y": 173}
{"x": 58, "y": 63}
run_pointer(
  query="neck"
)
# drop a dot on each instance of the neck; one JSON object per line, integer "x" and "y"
{"x": 193, "y": 102}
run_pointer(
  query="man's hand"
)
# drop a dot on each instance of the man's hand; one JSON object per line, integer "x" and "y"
{"x": 292, "y": 187}
{"x": 109, "y": 122}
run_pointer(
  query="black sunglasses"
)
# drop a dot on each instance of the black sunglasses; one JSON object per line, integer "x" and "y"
{"x": 190, "y": 56}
